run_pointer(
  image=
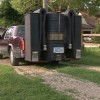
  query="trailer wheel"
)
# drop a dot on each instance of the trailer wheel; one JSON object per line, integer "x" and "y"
{"x": 14, "y": 61}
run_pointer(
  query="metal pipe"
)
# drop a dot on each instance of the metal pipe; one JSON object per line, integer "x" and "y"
{"x": 45, "y": 4}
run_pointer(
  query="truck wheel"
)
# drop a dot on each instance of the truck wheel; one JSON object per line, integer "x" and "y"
{"x": 14, "y": 61}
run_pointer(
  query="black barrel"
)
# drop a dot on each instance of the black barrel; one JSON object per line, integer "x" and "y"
{"x": 55, "y": 29}
{"x": 35, "y": 35}
{"x": 73, "y": 22}
{"x": 42, "y": 26}
{"x": 55, "y": 22}
{"x": 55, "y": 26}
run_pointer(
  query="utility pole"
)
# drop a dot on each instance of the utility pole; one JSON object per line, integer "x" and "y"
{"x": 45, "y": 4}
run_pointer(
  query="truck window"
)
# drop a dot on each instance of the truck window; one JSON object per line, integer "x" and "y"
{"x": 8, "y": 33}
{"x": 21, "y": 31}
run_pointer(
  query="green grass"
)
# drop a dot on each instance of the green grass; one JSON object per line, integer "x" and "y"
{"x": 16, "y": 87}
{"x": 90, "y": 56}
{"x": 81, "y": 73}
{"x": 76, "y": 71}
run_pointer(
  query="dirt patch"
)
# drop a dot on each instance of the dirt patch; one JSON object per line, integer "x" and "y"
{"x": 90, "y": 67}
{"x": 79, "y": 89}
{"x": 35, "y": 71}
{"x": 5, "y": 61}
{"x": 94, "y": 68}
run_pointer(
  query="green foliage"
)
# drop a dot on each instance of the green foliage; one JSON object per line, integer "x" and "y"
{"x": 12, "y": 11}
{"x": 16, "y": 87}
{"x": 9, "y": 16}
{"x": 97, "y": 30}
{"x": 82, "y": 73}
{"x": 26, "y": 6}
{"x": 90, "y": 6}
{"x": 96, "y": 40}
{"x": 58, "y": 5}
{"x": 7, "y": 22}
{"x": 90, "y": 56}
{"x": 94, "y": 7}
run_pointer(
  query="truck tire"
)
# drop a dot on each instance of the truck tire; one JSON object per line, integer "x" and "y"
{"x": 14, "y": 61}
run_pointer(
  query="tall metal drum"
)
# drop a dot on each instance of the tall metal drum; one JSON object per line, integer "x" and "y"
{"x": 55, "y": 29}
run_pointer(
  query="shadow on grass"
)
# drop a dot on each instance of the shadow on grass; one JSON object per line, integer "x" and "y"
{"x": 51, "y": 65}
{"x": 90, "y": 56}
{"x": 54, "y": 65}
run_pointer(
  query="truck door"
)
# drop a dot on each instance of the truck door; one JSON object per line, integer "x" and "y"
{"x": 4, "y": 42}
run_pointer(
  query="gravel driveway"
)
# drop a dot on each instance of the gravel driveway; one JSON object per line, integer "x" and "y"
{"x": 79, "y": 89}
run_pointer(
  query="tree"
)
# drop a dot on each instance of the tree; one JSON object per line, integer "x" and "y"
{"x": 25, "y": 6}
{"x": 94, "y": 7}
{"x": 12, "y": 11}
{"x": 90, "y": 6}
{"x": 8, "y": 15}
{"x": 58, "y": 5}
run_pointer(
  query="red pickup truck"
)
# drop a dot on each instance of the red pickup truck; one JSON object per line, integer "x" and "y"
{"x": 12, "y": 44}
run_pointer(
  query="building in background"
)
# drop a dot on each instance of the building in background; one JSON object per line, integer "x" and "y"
{"x": 88, "y": 23}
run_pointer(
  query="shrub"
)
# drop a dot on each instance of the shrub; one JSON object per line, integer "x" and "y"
{"x": 97, "y": 30}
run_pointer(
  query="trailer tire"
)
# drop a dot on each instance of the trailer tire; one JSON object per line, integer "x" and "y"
{"x": 14, "y": 61}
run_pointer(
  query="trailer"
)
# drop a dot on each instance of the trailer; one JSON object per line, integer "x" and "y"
{"x": 52, "y": 36}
